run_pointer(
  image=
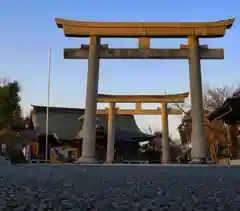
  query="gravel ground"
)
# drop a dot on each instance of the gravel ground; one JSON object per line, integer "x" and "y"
{"x": 46, "y": 187}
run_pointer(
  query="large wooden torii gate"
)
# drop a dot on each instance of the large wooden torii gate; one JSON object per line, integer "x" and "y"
{"x": 144, "y": 32}
{"x": 164, "y": 111}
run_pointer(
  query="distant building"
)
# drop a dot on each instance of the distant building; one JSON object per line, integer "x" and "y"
{"x": 66, "y": 128}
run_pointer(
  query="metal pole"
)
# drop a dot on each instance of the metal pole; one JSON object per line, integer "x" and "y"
{"x": 48, "y": 98}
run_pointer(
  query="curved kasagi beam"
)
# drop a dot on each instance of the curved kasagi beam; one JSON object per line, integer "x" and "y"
{"x": 74, "y": 28}
{"x": 173, "y": 98}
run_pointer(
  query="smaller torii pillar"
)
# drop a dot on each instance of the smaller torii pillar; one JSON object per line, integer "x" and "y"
{"x": 111, "y": 132}
{"x": 165, "y": 134}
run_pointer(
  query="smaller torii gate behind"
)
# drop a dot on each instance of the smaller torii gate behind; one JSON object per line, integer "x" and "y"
{"x": 164, "y": 111}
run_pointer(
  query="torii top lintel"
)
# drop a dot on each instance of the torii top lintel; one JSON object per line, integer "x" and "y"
{"x": 172, "y": 98}
{"x": 74, "y": 28}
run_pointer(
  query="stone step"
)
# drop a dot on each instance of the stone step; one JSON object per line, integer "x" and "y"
{"x": 235, "y": 162}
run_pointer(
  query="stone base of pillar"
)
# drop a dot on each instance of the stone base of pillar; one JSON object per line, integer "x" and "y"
{"x": 201, "y": 161}
{"x": 110, "y": 162}
{"x": 87, "y": 160}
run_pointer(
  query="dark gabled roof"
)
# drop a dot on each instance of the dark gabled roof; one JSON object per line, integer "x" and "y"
{"x": 132, "y": 136}
{"x": 43, "y": 109}
{"x": 63, "y": 122}
{"x": 126, "y": 128}
{"x": 66, "y": 123}
{"x": 229, "y": 111}
{"x": 123, "y": 135}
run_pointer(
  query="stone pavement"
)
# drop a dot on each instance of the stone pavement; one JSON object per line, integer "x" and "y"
{"x": 119, "y": 187}
{"x": 3, "y": 161}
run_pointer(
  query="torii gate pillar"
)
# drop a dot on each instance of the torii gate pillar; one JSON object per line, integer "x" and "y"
{"x": 89, "y": 124}
{"x": 199, "y": 142}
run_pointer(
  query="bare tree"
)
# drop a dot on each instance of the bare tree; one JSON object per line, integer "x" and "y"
{"x": 214, "y": 97}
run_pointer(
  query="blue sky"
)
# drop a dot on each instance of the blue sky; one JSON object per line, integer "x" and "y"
{"x": 28, "y": 30}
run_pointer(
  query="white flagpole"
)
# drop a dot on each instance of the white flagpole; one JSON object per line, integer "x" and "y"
{"x": 48, "y": 99}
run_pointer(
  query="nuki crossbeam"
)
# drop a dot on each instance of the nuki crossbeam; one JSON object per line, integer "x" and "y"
{"x": 142, "y": 53}
{"x": 158, "y": 111}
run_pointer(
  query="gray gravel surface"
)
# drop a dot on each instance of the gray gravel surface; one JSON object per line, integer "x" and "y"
{"x": 35, "y": 187}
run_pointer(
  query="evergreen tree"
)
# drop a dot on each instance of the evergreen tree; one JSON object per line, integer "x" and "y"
{"x": 10, "y": 109}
